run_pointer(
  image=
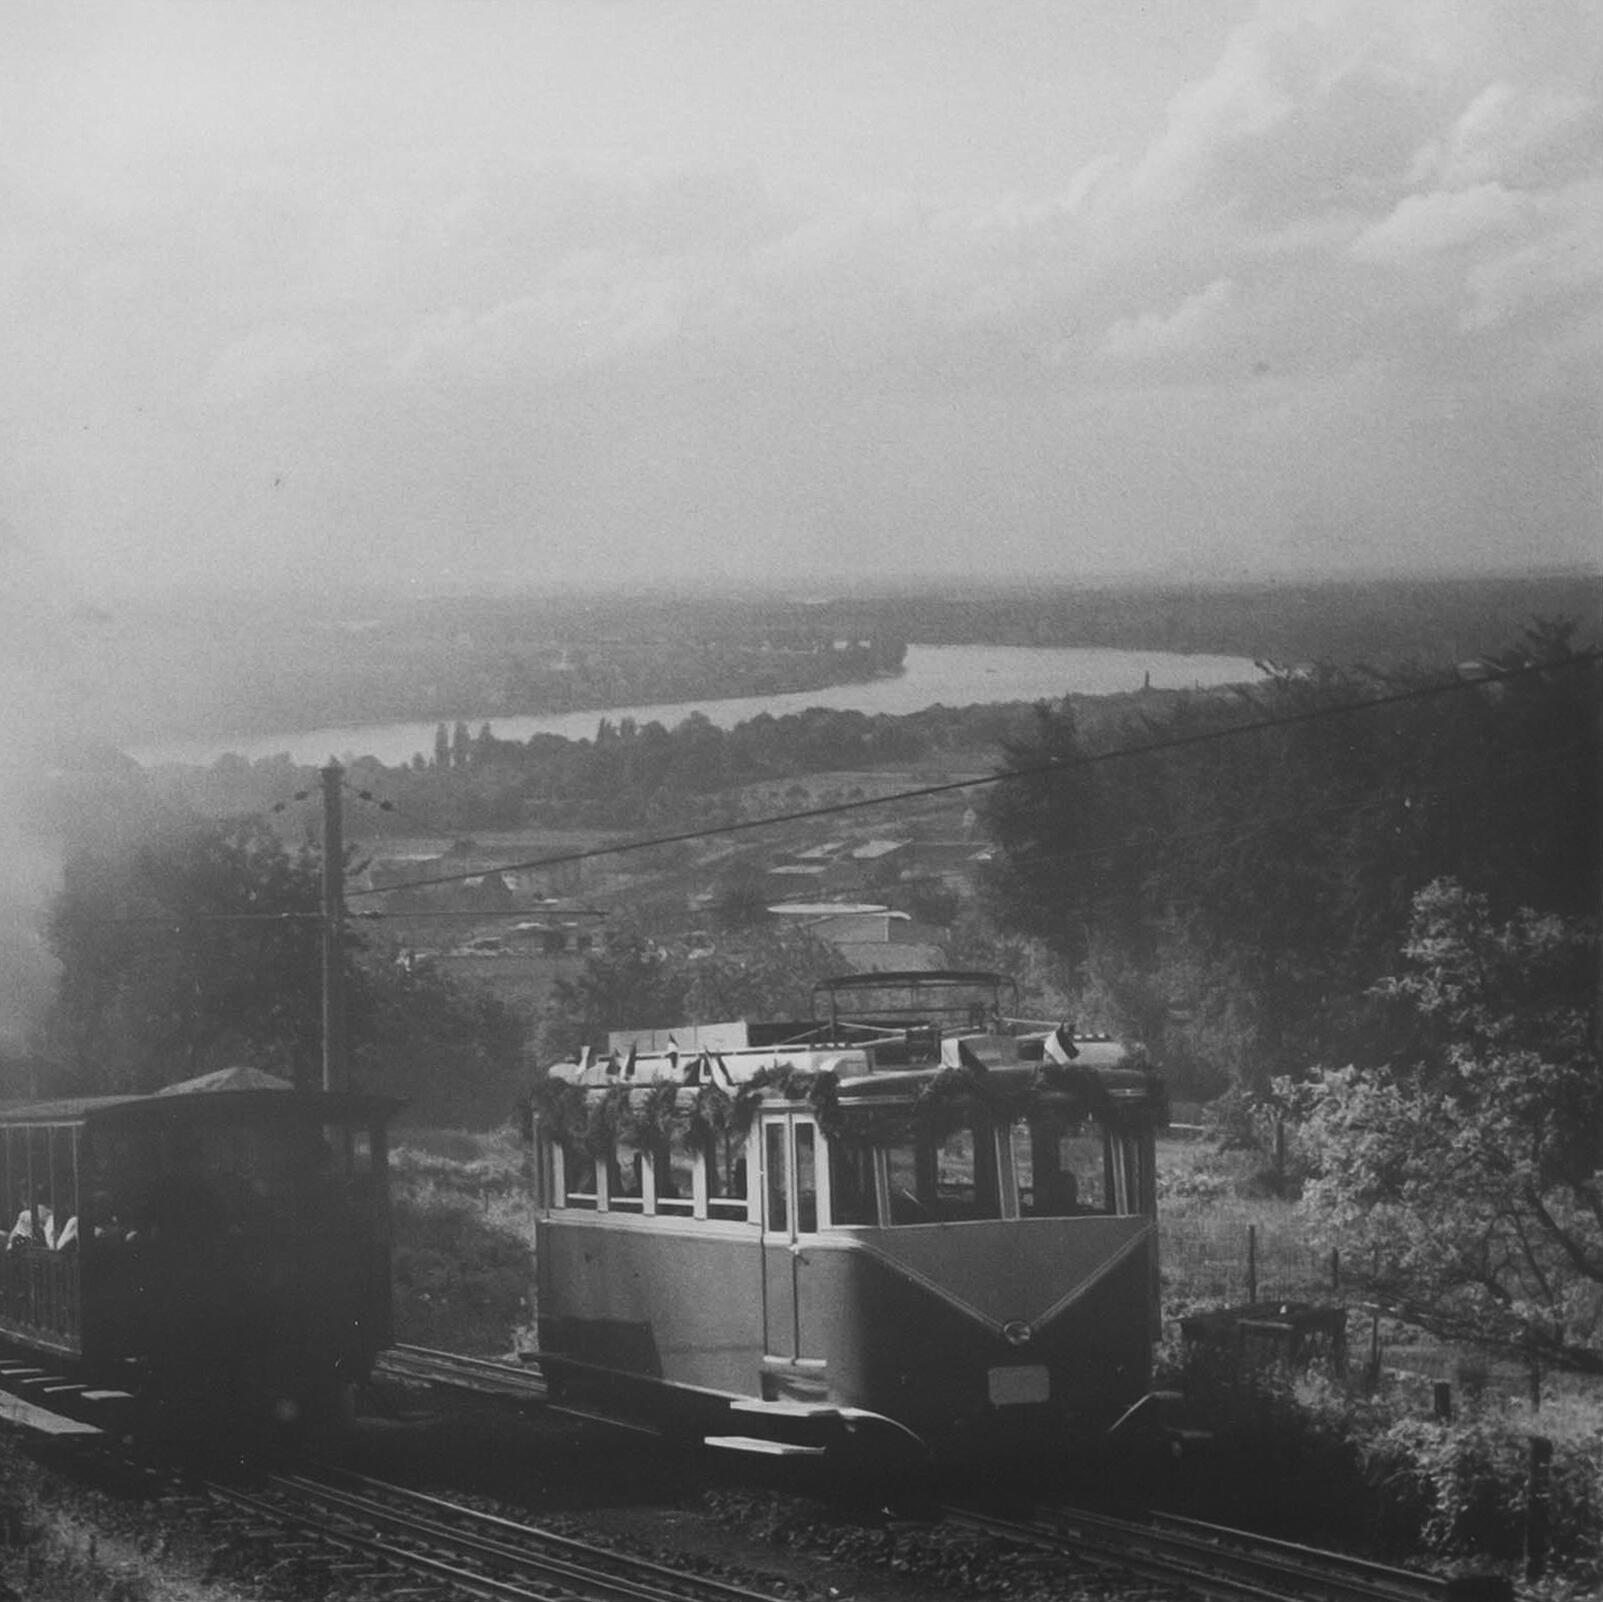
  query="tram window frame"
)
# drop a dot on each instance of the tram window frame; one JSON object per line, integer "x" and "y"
{"x": 667, "y": 1158}
{"x": 809, "y": 1171}
{"x": 724, "y": 1157}
{"x": 566, "y": 1155}
{"x": 856, "y": 1159}
{"x": 64, "y": 1187}
{"x": 11, "y": 1185}
{"x": 40, "y": 1186}
{"x": 1053, "y": 1134}
{"x": 617, "y": 1198}
{"x": 776, "y": 1178}
{"x": 911, "y": 1168}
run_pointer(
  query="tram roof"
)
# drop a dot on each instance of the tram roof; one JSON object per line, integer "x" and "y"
{"x": 178, "y": 1102}
{"x": 853, "y": 1065}
{"x": 919, "y": 978}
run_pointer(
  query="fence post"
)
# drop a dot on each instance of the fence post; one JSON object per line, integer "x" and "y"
{"x": 1335, "y": 1268}
{"x": 1442, "y": 1401}
{"x": 1252, "y": 1264}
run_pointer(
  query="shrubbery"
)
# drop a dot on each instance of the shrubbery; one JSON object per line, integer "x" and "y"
{"x": 464, "y": 1242}
{"x": 1401, "y": 1483}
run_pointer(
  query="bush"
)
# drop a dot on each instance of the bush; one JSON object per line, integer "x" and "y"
{"x": 1466, "y": 1483}
{"x": 464, "y": 1242}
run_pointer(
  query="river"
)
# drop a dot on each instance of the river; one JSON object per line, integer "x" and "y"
{"x": 935, "y": 675}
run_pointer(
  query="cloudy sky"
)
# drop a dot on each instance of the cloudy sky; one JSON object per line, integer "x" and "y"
{"x": 480, "y": 292}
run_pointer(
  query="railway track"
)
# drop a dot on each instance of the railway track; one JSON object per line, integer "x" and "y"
{"x": 352, "y": 1528}
{"x": 483, "y": 1374}
{"x": 1210, "y": 1560}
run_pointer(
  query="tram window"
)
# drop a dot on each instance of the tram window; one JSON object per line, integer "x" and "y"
{"x": 1062, "y": 1170}
{"x": 851, "y": 1183}
{"x": 965, "y": 1175}
{"x": 578, "y": 1177}
{"x": 350, "y": 1148}
{"x": 907, "y": 1205}
{"x": 726, "y": 1176}
{"x": 778, "y": 1209}
{"x": 44, "y": 1225}
{"x": 673, "y": 1167}
{"x": 949, "y": 1179}
{"x": 626, "y": 1178}
{"x": 64, "y": 1178}
{"x": 1128, "y": 1165}
{"x": 806, "y": 1179}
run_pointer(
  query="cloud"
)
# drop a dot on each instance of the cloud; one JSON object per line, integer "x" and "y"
{"x": 1155, "y": 334}
{"x": 1560, "y": 260}
{"x": 1515, "y": 135}
{"x": 1425, "y": 225}
{"x": 263, "y": 359}
{"x": 460, "y": 333}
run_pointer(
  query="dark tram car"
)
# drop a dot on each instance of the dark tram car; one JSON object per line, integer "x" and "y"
{"x": 219, "y": 1250}
{"x": 908, "y": 1225}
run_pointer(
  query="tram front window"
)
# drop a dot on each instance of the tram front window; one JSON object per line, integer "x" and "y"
{"x": 1063, "y": 1170}
{"x": 946, "y": 1178}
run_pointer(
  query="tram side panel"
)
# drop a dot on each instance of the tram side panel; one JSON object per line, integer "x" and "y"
{"x": 628, "y": 1306}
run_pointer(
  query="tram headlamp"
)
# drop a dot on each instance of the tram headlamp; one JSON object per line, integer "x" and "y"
{"x": 1017, "y": 1333}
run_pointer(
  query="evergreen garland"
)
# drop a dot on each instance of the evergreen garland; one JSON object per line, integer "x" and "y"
{"x": 656, "y": 1113}
{"x": 819, "y": 1088}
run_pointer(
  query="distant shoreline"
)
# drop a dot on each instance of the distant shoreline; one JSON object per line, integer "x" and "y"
{"x": 949, "y": 675}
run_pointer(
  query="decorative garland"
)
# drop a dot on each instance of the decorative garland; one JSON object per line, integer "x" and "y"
{"x": 657, "y": 1113}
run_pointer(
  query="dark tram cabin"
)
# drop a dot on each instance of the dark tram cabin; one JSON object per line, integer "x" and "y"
{"x": 219, "y": 1249}
{"x": 914, "y": 1230}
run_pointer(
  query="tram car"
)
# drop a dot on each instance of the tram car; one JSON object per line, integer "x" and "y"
{"x": 215, "y": 1256}
{"x": 914, "y": 1224}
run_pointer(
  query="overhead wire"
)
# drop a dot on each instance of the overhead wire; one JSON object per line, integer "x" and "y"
{"x": 1032, "y": 770}
{"x": 1055, "y": 766}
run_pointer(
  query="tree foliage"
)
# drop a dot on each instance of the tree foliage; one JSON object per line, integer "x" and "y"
{"x": 202, "y": 948}
{"x": 1468, "y": 1172}
{"x": 637, "y": 984}
{"x": 1235, "y": 897}
{"x": 633, "y": 984}
{"x": 769, "y": 976}
{"x": 195, "y": 950}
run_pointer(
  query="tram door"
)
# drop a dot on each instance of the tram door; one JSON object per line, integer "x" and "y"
{"x": 790, "y": 1220}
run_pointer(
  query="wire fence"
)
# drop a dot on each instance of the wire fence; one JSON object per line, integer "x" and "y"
{"x": 1206, "y": 1257}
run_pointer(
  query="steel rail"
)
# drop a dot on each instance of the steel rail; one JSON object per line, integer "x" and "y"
{"x": 1406, "y": 1583}
{"x": 380, "y": 1553}
{"x": 1210, "y": 1560}
{"x": 485, "y": 1374}
{"x": 445, "y": 1527}
{"x": 424, "y": 1502}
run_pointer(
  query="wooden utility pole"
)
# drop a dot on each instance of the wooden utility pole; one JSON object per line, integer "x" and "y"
{"x": 333, "y": 928}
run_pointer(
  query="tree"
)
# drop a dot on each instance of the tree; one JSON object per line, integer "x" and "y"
{"x": 1235, "y": 895}
{"x": 192, "y": 951}
{"x": 453, "y": 1052}
{"x": 632, "y": 984}
{"x": 769, "y": 978}
{"x": 1468, "y": 1173}
{"x": 740, "y": 898}
{"x": 202, "y": 948}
